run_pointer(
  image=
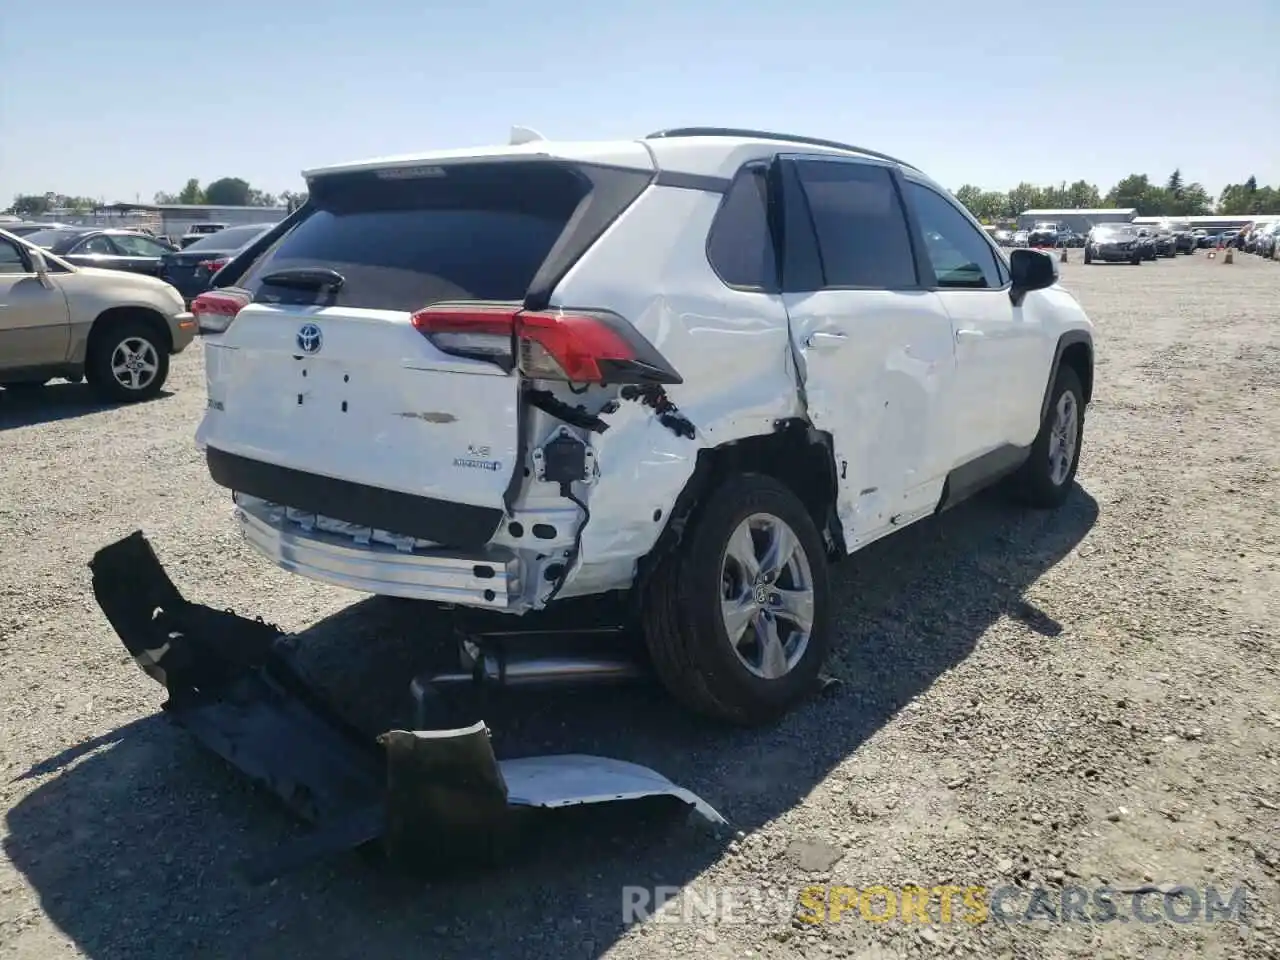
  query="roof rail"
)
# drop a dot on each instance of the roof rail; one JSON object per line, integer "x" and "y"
{"x": 766, "y": 135}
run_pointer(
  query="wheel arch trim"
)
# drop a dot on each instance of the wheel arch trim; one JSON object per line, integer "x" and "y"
{"x": 1069, "y": 339}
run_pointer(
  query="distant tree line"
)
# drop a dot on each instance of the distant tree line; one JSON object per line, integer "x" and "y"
{"x": 227, "y": 191}
{"x": 1174, "y": 197}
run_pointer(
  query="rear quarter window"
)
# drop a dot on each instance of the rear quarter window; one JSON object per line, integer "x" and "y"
{"x": 740, "y": 245}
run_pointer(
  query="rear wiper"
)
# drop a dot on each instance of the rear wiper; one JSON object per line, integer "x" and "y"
{"x": 306, "y": 278}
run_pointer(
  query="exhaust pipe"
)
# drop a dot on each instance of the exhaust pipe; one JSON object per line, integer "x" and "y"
{"x": 570, "y": 657}
{"x": 506, "y": 671}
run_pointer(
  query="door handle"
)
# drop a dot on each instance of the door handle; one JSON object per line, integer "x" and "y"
{"x": 965, "y": 334}
{"x": 825, "y": 339}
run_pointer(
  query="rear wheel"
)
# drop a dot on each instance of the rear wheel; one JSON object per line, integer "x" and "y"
{"x": 1088, "y": 256}
{"x": 1044, "y": 480}
{"x": 737, "y": 623}
{"x": 127, "y": 362}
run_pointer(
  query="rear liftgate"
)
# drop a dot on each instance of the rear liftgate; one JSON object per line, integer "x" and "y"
{"x": 433, "y": 797}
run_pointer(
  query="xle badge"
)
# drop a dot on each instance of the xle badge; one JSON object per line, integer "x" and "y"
{"x": 477, "y": 458}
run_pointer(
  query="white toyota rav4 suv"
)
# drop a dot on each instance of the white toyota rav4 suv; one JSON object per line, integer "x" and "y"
{"x": 692, "y": 367}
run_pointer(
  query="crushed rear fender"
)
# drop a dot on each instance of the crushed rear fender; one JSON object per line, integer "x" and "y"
{"x": 430, "y": 797}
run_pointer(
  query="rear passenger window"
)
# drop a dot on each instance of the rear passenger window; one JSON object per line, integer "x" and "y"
{"x": 960, "y": 254}
{"x": 739, "y": 246}
{"x": 862, "y": 231}
{"x": 11, "y": 260}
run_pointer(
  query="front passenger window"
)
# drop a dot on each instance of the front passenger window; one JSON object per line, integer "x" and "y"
{"x": 960, "y": 254}
{"x": 11, "y": 259}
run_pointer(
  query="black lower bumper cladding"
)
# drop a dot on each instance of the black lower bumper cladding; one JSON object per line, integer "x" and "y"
{"x": 433, "y": 798}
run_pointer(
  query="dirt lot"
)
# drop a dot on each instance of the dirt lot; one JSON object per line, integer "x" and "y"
{"x": 1078, "y": 699}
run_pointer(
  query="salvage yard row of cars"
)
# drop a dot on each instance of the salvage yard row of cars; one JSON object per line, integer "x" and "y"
{"x": 1166, "y": 238}
{"x": 188, "y": 267}
{"x": 115, "y": 328}
{"x": 105, "y": 305}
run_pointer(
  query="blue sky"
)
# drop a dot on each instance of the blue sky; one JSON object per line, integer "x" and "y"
{"x": 121, "y": 99}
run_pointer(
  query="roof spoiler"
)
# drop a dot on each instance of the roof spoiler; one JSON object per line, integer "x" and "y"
{"x": 521, "y": 135}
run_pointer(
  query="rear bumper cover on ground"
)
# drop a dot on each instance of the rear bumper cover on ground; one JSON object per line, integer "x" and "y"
{"x": 432, "y": 797}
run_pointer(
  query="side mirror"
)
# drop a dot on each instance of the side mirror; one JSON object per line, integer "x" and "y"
{"x": 39, "y": 267}
{"x": 1030, "y": 270}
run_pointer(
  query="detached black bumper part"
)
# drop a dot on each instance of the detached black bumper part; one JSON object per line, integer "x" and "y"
{"x": 431, "y": 797}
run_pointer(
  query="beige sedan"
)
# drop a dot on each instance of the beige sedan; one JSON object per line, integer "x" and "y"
{"x": 115, "y": 329}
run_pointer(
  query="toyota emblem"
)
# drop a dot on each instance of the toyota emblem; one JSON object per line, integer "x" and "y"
{"x": 310, "y": 338}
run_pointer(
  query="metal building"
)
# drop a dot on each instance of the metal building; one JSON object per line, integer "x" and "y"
{"x": 1078, "y": 220}
{"x": 175, "y": 219}
{"x": 1214, "y": 222}
{"x": 163, "y": 219}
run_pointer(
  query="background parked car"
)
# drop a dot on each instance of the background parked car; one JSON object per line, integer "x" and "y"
{"x": 1044, "y": 234}
{"x": 1256, "y": 234}
{"x": 1114, "y": 243}
{"x": 1146, "y": 242}
{"x": 191, "y": 268}
{"x": 1020, "y": 238}
{"x": 1163, "y": 242}
{"x": 1183, "y": 241}
{"x": 198, "y": 231}
{"x": 1268, "y": 236}
{"x": 116, "y": 329}
{"x": 108, "y": 249}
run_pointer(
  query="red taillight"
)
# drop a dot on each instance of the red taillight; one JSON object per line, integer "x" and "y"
{"x": 583, "y": 346}
{"x": 213, "y": 266}
{"x": 578, "y": 346}
{"x": 215, "y": 309}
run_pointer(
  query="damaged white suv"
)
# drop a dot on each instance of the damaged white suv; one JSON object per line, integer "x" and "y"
{"x": 692, "y": 367}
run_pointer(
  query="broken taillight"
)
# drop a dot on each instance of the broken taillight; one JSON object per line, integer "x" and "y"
{"x": 580, "y": 346}
{"x": 215, "y": 309}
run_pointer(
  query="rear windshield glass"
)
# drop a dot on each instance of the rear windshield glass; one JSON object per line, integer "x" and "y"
{"x": 233, "y": 238}
{"x": 401, "y": 242}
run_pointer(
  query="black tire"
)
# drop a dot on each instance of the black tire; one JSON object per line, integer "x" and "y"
{"x": 128, "y": 335}
{"x": 1033, "y": 484}
{"x": 1088, "y": 257}
{"x": 684, "y": 626}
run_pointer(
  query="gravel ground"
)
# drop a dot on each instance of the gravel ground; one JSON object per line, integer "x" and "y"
{"x": 1034, "y": 700}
